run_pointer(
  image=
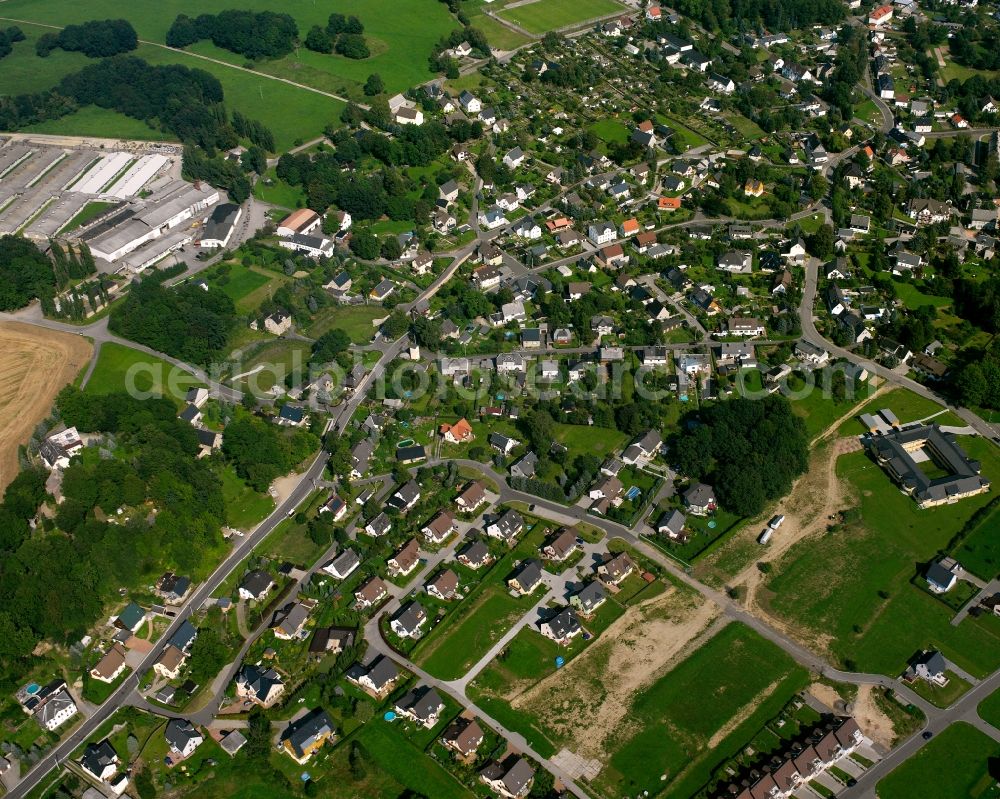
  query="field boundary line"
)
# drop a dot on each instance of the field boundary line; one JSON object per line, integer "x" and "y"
{"x": 218, "y": 61}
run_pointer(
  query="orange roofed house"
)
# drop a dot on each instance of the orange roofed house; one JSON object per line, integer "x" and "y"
{"x": 458, "y": 433}
{"x": 299, "y": 223}
{"x": 668, "y": 204}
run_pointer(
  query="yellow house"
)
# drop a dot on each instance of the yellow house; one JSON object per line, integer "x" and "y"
{"x": 753, "y": 187}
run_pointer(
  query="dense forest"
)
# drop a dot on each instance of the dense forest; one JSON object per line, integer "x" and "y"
{"x": 750, "y": 451}
{"x": 342, "y": 35}
{"x": 186, "y": 322}
{"x": 25, "y": 273}
{"x": 95, "y": 39}
{"x": 253, "y": 34}
{"x": 55, "y": 581}
{"x": 8, "y": 37}
{"x": 731, "y": 16}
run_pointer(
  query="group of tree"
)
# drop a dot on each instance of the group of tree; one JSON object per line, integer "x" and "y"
{"x": 26, "y": 273}
{"x": 8, "y": 37}
{"x": 261, "y": 451}
{"x": 441, "y": 62}
{"x": 342, "y": 35}
{"x": 56, "y": 579}
{"x": 750, "y": 451}
{"x": 732, "y": 16}
{"x": 95, "y": 39}
{"x": 187, "y": 322}
{"x": 252, "y": 34}
{"x": 372, "y": 195}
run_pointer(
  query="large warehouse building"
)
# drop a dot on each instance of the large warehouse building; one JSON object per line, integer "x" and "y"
{"x": 132, "y": 209}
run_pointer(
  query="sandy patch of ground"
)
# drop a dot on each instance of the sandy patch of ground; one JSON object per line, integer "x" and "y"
{"x": 282, "y": 488}
{"x": 828, "y": 696}
{"x": 34, "y": 365}
{"x": 583, "y": 705}
{"x": 872, "y": 721}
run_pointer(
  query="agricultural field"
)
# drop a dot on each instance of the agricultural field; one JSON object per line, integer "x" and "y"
{"x": 546, "y": 15}
{"x": 954, "y": 765}
{"x": 151, "y": 374}
{"x": 855, "y": 592}
{"x": 34, "y": 367}
{"x": 400, "y": 35}
{"x": 289, "y": 111}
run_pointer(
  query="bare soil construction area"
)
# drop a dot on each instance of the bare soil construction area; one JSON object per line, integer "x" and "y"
{"x": 34, "y": 365}
{"x": 588, "y": 702}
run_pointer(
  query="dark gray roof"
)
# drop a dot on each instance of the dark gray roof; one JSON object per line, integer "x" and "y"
{"x": 422, "y": 702}
{"x": 184, "y": 636}
{"x": 564, "y": 623}
{"x": 97, "y": 757}
{"x": 382, "y": 672}
{"x": 179, "y": 733}
{"x": 303, "y": 732}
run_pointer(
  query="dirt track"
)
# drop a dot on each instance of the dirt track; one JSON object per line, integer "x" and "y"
{"x": 34, "y": 365}
{"x": 581, "y": 703}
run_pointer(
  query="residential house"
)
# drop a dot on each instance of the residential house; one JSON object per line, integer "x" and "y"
{"x": 563, "y": 627}
{"x": 438, "y": 529}
{"x": 379, "y": 677}
{"x": 256, "y": 585}
{"x": 511, "y": 778}
{"x": 562, "y": 546}
{"x": 409, "y": 620}
{"x": 616, "y": 568}
{"x": 443, "y": 586}
{"x": 405, "y": 560}
{"x": 289, "y": 622}
{"x": 526, "y": 578}
{"x": 371, "y": 593}
{"x": 405, "y": 497}
{"x": 259, "y": 685}
{"x": 182, "y": 737}
{"x": 463, "y": 736}
{"x": 589, "y": 598}
{"x": 506, "y": 526}
{"x": 700, "y": 499}
{"x": 475, "y": 555}
{"x": 306, "y": 736}
{"x": 422, "y": 706}
{"x": 380, "y": 525}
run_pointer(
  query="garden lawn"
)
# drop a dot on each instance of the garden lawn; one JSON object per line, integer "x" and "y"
{"x": 245, "y": 508}
{"x": 979, "y": 553}
{"x": 394, "y": 754}
{"x": 610, "y": 131}
{"x": 907, "y": 406}
{"x": 989, "y": 709}
{"x": 116, "y": 361}
{"x": 737, "y": 674}
{"x": 240, "y": 281}
{"x": 913, "y": 297}
{"x": 547, "y": 15}
{"x": 356, "y": 321}
{"x": 497, "y": 34}
{"x": 278, "y": 192}
{"x": 942, "y": 697}
{"x": 954, "y": 765}
{"x": 855, "y": 585}
{"x": 468, "y": 633}
{"x": 586, "y": 440}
